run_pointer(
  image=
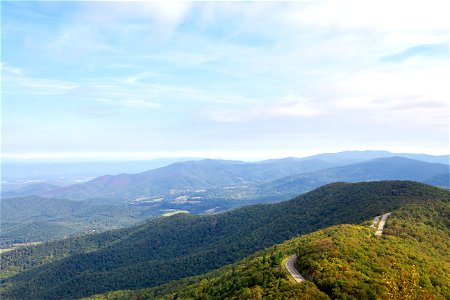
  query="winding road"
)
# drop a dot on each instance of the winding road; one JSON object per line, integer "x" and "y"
{"x": 292, "y": 270}
{"x": 375, "y": 222}
{"x": 381, "y": 224}
{"x": 291, "y": 260}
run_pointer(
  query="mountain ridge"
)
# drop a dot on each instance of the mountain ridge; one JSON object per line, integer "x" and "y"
{"x": 340, "y": 262}
{"x": 185, "y": 177}
{"x": 173, "y": 245}
{"x": 206, "y": 174}
{"x": 180, "y": 176}
{"x": 213, "y": 200}
{"x": 390, "y": 168}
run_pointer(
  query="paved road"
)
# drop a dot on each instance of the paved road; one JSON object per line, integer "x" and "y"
{"x": 292, "y": 270}
{"x": 375, "y": 221}
{"x": 381, "y": 224}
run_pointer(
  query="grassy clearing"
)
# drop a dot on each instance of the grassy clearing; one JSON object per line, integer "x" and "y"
{"x": 171, "y": 212}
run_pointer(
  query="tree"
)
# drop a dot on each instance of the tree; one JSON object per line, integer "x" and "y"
{"x": 404, "y": 285}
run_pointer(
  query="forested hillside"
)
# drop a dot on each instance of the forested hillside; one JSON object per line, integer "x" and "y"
{"x": 32, "y": 189}
{"x": 32, "y": 218}
{"x": 183, "y": 176}
{"x": 410, "y": 261}
{"x": 116, "y": 201}
{"x": 208, "y": 180}
{"x": 168, "y": 249}
{"x": 392, "y": 168}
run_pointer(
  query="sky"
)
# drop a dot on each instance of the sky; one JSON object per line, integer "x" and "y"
{"x": 237, "y": 80}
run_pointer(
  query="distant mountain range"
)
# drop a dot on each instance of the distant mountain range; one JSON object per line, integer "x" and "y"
{"x": 180, "y": 177}
{"x": 392, "y": 168}
{"x": 185, "y": 178}
{"x": 173, "y": 248}
{"x": 21, "y": 172}
{"x": 349, "y": 157}
{"x": 199, "y": 187}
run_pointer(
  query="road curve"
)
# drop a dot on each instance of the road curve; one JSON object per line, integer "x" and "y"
{"x": 292, "y": 270}
{"x": 375, "y": 222}
{"x": 381, "y": 224}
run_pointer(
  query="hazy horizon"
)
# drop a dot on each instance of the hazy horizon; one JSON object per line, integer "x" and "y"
{"x": 111, "y": 157}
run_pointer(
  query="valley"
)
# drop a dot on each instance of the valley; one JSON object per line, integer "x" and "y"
{"x": 224, "y": 150}
{"x": 163, "y": 250}
{"x": 409, "y": 261}
{"x": 198, "y": 187}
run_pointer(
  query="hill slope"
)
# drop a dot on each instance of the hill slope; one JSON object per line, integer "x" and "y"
{"x": 391, "y": 168}
{"x": 167, "y": 249}
{"x": 248, "y": 180}
{"x": 183, "y": 176}
{"x": 30, "y": 219}
{"x": 34, "y": 226}
{"x": 32, "y": 189}
{"x": 410, "y": 261}
{"x": 442, "y": 180}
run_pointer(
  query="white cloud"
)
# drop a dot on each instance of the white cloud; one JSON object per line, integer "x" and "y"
{"x": 386, "y": 25}
{"x": 407, "y": 15}
{"x": 164, "y": 16}
{"x": 293, "y": 106}
{"x": 76, "y": 41}
{"x": 290, "y": 106}
{"x": 139, "y": 103}
{"x": 137, "y": 77}
{"x": 14, "y": 82}
{"x": 7, "y": 70}
{"x": 316, "y": 66}
{"x": 402, "y": 97}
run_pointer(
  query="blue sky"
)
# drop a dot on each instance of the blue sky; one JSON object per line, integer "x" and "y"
{"x": 247, "y": 80}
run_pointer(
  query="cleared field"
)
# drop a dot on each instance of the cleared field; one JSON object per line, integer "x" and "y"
{"x": 15, "y": 246}
{"x": 171, "y": 212}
